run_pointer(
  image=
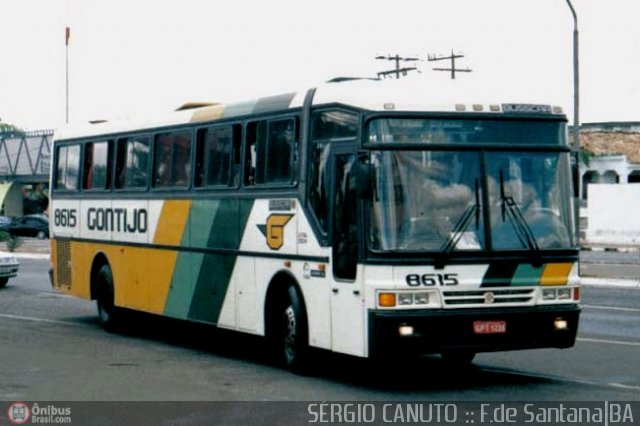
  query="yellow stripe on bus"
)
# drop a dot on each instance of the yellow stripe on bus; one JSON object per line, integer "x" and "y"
{"x": 173, "y": 219}
{"x": 171, "y": 228}
{"x": 556, "y": 274}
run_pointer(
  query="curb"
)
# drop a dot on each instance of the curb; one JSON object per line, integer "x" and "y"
{"x": 612, "y": 249}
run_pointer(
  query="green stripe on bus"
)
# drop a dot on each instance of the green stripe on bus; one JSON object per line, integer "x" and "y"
{"x": 215, "y": 272}
{"x": 188, "y": 265}
{"x": 527, "y": 275}
{"x": 499, "y": 274}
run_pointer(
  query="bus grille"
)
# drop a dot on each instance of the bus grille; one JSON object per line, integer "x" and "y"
{"x": 63, "y": 267}
{"x": 488, "y": 297}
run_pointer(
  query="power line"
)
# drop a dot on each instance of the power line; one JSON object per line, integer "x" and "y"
{"x": 398, "y": 70}
{"x": 452, "y": 58}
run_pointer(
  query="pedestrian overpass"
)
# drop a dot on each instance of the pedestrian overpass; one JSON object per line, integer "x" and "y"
{"x": 25, "y": 157}
{"x": 25, "y": 162}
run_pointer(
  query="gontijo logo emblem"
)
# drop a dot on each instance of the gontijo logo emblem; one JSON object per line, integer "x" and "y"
{"x": 18, "y": 413}
{"x": 274, "y": 230}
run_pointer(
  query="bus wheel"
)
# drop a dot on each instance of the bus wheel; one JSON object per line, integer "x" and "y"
{"x": 293, "y": 333}
{"x": 3, "y": 281}
{"x": 108, "y": 314}
{"x": 459, "y": 357}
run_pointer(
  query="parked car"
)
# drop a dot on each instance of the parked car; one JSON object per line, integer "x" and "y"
{"x": 9, "y": 266}
{"x": 35, "y": 225}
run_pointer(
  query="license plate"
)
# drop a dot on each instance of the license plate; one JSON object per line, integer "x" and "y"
{"x": 489, "y": 327}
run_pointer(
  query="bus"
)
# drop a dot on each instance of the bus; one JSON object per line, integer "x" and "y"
{"x": 360, "y": 217}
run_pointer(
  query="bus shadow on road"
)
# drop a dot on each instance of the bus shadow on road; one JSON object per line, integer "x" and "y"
{"x": 399, "y": 374}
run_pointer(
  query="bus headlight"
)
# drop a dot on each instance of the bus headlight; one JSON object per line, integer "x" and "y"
{"x": 564, "y": 294}
{"x": 421, "y": 298}
{"x": 560, "y": 324}
{"x": 405, "y": 330}
{"x": 559, "y": 294}
{"x": 407, "y": 299}
{"x": 548, "y": 294}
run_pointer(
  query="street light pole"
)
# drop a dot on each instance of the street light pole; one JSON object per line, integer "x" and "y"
{"x": 576, "y": 81}
{"x": 576, "y": 118}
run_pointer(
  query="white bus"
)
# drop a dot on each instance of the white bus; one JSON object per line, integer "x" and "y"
{"x": 356, "y": 217}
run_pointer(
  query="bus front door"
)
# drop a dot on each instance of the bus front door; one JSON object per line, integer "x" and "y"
{"x": 347, "y": 298}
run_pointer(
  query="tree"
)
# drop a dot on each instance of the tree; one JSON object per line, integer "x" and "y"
{"x": 10, "y": 130}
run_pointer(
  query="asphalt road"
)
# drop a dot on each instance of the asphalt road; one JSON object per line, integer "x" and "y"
{"x": 608, "y": 264}
{"x": 52, "y": 348}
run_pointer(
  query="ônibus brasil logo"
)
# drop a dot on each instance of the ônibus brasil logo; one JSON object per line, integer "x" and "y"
{"x": 18, "y": 413}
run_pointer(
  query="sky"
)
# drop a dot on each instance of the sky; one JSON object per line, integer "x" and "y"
{"x": 130, "y": 58}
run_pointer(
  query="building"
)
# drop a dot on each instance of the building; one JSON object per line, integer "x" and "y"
{"x": 611, "y": 153}
{"x": 609, "y": 168}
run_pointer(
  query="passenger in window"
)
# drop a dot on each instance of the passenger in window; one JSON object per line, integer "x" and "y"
{"x": 164, "y": 169}
{"x": 183, "y": 168}
{"x": 217, "y": 161}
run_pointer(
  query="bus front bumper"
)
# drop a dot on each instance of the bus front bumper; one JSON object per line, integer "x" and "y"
{"x": 437, "y": 331}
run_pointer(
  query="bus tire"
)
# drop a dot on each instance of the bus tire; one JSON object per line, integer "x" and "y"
{"x": 3, "y": 282}
{"x": 458, "y": 357}
{"x": 108, "y": 314}
{"x": 292, "y": 341}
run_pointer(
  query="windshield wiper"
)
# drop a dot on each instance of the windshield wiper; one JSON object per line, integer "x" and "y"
{"x": 520, "y": 226}
{"x": 462, "y": 224}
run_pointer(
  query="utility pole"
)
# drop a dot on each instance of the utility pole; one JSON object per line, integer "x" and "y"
{"x": 67, "y": 34}
{"x": 452, "y": 58}
{"x": 398, "y": 70}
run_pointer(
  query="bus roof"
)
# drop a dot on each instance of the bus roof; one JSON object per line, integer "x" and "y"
{"x": 384, "y": 95}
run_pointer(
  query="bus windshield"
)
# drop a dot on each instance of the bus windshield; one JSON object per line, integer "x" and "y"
{"x": 467, "y": 131}
{"x": 433, "y": 200}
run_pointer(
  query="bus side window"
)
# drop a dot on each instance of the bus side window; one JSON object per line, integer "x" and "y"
{"x": 171, "y": 164}
{"x": 96, "y": 173}
{"x": 132, "y": 163}
{"x": 254, "y": 152}
{"x": 215, "y": 149}
{"x": 68, "y": 167}
{"x": 271, "y": 151}
{"x": 280, "y": 151}
{"x": 61, "y": 166}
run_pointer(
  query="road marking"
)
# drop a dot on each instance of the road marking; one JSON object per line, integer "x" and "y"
{"x": 610, "y": 342}
{"x": 34, "y": 319}
{"x": 561, "y": 379}
{"x": 55, "y": 295}
{"x": 35, "y": 256}
{"x": 623, "y": 386}
{"x": 612, "y": 308}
